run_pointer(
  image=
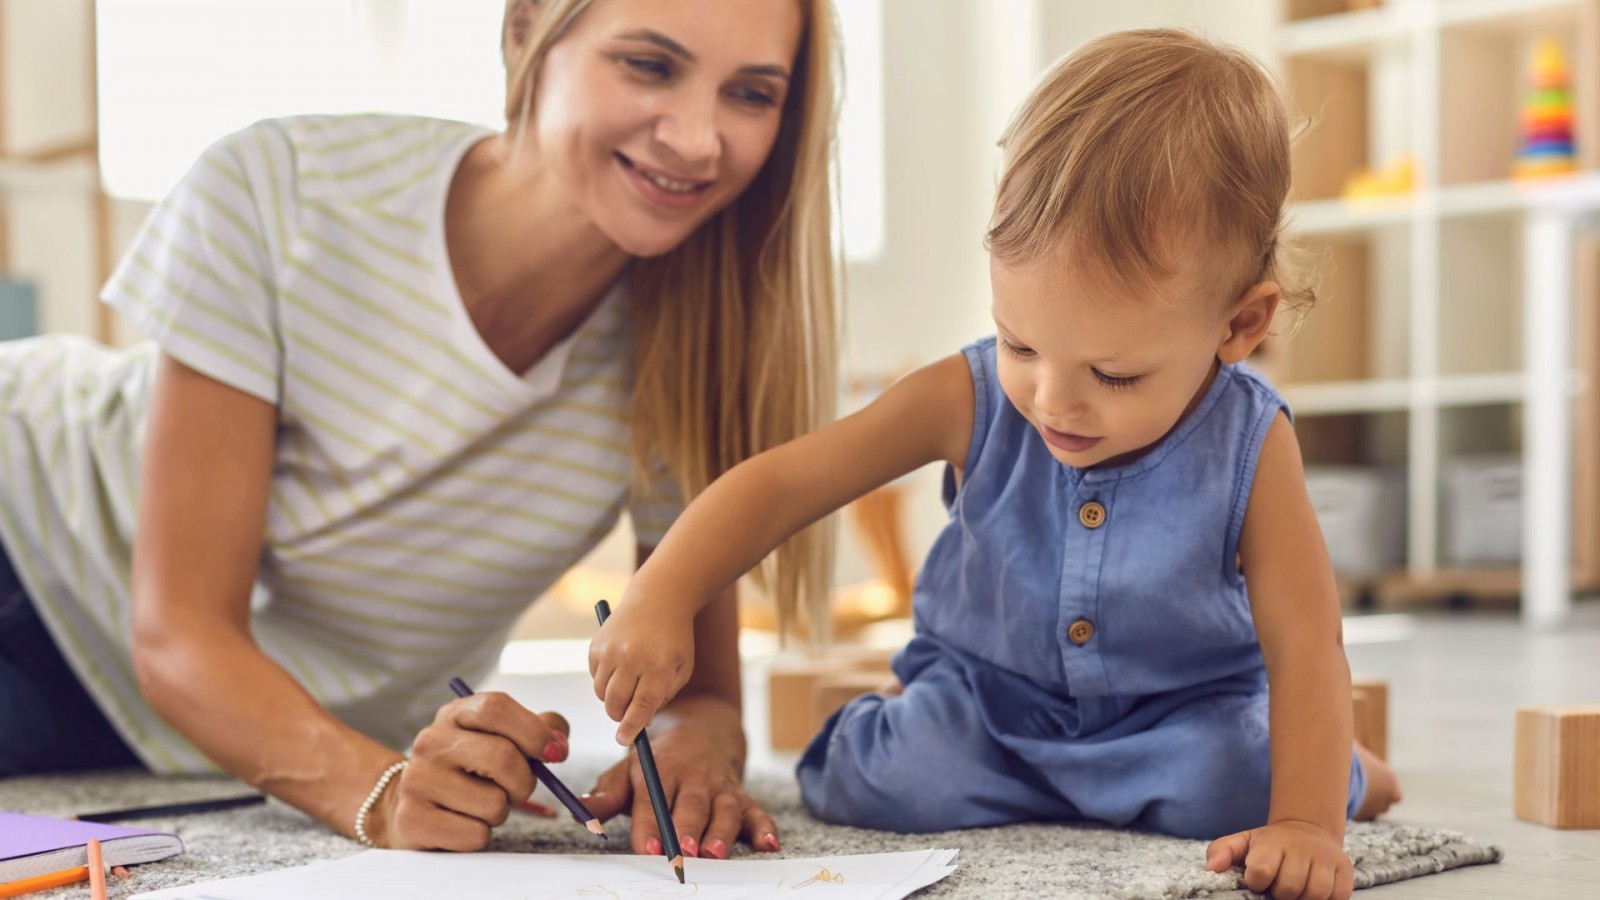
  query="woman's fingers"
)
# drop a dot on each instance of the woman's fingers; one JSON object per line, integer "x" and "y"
{"x": 497, "y": 713}
{"x": 691, "y": 810}
{"x": 487, "y": 756}
{"x": 723, "y": 828}
{"x": 453, "y": 790}
{"x": 612, "y": 792}
{"x": 644, "y": 836}
{"x": 537, "y": 809}
{"x": 759, "y": 828}
{"x": 556, "y": 722}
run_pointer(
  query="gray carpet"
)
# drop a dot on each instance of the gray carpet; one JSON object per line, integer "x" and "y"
{"x": 1020, "y": 860}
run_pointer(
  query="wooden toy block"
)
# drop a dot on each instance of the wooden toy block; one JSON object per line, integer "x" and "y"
{"x": 1557, "y": 781}
{"x": 838, "y": 689}
{"x": 1370, "y": 697}
{"x": 791, "y": 685}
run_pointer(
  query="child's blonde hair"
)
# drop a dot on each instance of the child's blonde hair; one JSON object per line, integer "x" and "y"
{"x": 1135, "y": 131}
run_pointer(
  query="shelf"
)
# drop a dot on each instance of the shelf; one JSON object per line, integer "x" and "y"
{"x": 1516, "y": 15}
{"x": 1356, "y": 36}
{"x": 74, "y": 175}
{"x": 1341, "y": 397}
{"x": 1339, "y": 216}
{"x": 1395, "y": 394}
{"x": 1461, "y": 201}
{"x": 1406, "y": 589}
{"x": 1349, "y": 36}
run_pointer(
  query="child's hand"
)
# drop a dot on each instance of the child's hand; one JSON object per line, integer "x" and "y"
{"x": 1294, "y": 859}
{"x": 640, "y": 659}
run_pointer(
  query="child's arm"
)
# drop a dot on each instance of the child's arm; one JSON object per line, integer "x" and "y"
{"x": 644, "y": 654}
{"x": 1296, "y": 608}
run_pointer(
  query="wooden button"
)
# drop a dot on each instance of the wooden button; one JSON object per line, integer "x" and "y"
{"x": 1080, "y": 631}
{"x": 1092, "y": 514}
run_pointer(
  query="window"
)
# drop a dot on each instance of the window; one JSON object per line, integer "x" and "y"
{"x": 175, "y": 75}
{"x": 861, "y": 174}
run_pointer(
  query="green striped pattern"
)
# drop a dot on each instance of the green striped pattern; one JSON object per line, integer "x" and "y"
{"x": 423, "y": 495}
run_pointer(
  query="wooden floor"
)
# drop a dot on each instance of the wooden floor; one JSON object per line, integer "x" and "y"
{"x": 1455, "y": 681}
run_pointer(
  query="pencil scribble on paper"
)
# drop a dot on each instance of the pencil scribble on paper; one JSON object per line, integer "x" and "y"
{"x": 655, "y": 889}
{"x": 822, "y": 877}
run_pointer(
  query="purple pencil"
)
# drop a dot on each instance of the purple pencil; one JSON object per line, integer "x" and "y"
{"x": 543, "y": 773}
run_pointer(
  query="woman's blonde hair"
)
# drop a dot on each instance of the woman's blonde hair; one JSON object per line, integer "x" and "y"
{"x": 737, "y": 329}
{"x": 1136, "y": 131}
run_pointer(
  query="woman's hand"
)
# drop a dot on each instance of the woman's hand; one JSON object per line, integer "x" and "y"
{"x": 700, "y": 758}
{"x": 468, "y": 770}
{"x": 641, "y": 658}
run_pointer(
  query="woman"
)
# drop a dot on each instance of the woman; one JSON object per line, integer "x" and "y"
{"x": 403, "y": 373}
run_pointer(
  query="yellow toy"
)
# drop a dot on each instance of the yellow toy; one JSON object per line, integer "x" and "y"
{"x": 1396, "y": 179}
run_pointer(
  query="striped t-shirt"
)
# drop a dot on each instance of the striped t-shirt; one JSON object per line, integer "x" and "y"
{"x": 422, "y": 493}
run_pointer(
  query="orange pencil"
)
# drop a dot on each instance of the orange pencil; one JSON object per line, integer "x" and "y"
{"x": 97, "y": 871}
{"x": 40, "y": 882}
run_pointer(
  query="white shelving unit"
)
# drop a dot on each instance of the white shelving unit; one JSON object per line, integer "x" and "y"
{"x": 49, "y": 173}
{"x": 1436, "y": 337}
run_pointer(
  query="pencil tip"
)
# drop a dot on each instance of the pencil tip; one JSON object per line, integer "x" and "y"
{"x": 679, "y": 869}
{"x": 594, "y": 826}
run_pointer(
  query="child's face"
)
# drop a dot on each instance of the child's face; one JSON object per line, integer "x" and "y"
{"x": 1101, "y": 370}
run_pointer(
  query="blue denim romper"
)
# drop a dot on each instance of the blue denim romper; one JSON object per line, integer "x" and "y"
{"x": 1084, "y": 647}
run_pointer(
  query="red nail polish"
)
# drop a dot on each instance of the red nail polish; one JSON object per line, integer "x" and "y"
{"x": 772, "y": 840}
{"x": 652, "y": 846}
{"x": 554, "y": 752}
{"x": 717, "y": 850}
{"x": 687, "y": 844}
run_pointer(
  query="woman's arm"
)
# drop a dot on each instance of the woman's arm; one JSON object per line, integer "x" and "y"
{"x": 1295, "y": 605}
{"x": 645, "y": 653}
{"x": 204, "y": 489}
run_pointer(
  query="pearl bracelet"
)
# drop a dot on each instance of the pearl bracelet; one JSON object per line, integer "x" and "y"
{"x": 372, "y": 799}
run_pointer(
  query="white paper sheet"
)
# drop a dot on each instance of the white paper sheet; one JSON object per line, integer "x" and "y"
{"x": 402, "y": 875}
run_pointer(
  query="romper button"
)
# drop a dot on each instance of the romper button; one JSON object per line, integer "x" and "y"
{"x": 1080, "y": 631}
{"x": 1092, "y": 515}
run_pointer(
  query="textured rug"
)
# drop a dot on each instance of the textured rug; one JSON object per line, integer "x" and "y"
{"x": 1067, "y": 861}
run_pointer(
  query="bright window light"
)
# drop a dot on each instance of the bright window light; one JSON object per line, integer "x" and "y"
{"x": 175, "y": 75}
{"x": 861, "y": 175}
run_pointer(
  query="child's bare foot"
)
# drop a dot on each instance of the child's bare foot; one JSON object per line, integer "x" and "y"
{"x": 1383, "y": 788}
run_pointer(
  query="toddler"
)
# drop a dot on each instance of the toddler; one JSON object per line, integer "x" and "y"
{"x": 1130, "y": 616}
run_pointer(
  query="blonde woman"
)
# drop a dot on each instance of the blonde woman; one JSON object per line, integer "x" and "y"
{"x": 403, "y": 373}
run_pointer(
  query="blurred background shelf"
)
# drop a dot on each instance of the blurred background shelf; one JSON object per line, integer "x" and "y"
{"x": 1425, "y": 365}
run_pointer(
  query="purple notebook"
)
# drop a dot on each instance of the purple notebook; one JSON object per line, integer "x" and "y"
{"x": 31, "y": 845}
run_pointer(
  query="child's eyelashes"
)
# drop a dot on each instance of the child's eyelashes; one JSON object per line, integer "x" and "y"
{"x": 1116, "y": 382}
{"x": 1015, "y": 350}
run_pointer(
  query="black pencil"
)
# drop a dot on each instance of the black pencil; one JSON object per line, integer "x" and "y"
{"x": 652, "y": 782}
{"x": 171, "y": 809}
{"x": 543, "y": 773}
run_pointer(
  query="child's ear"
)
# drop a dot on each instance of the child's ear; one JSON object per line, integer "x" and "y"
{"x": 1249, "y": 320}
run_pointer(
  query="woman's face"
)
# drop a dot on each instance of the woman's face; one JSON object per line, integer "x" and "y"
{"x": 655, "y": 114}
